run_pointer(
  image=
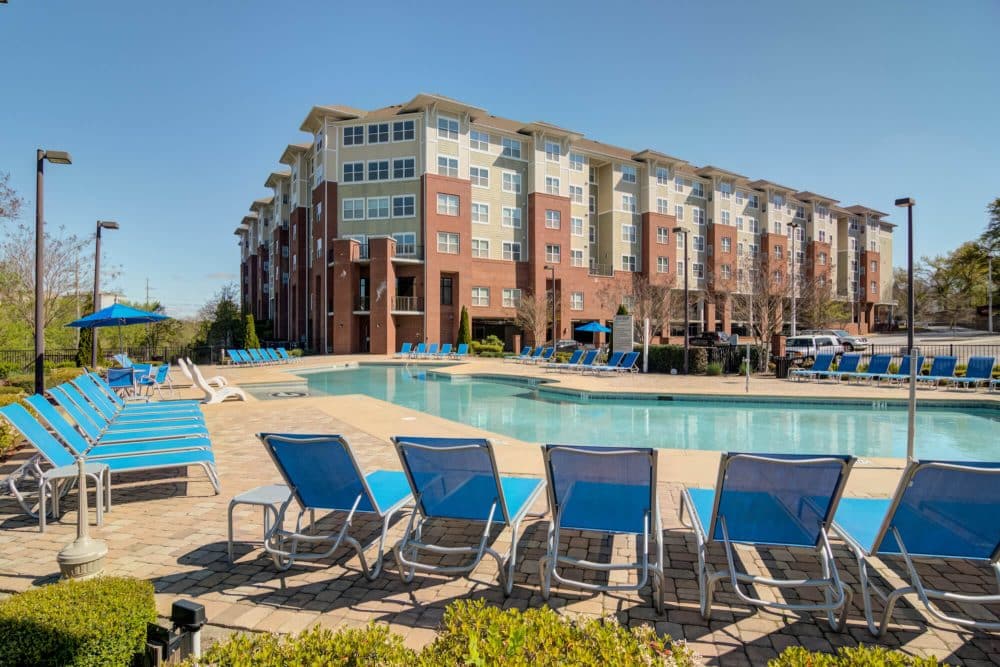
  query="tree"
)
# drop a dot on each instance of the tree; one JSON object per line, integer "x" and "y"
{"x": 533, "y": 317}
{"x": 464, "y": 327}
{"x": 816, "y": 305}
{"x": 219, "y": 320}
{"x": 957, "y": 282}
{"x": 922, "y": 297}
{"x": 250, "y": 340}
{"x": 991, "y": 237}
{"x": 10, "y": 202}
{"x": 761, "y": 302}
{"x": 622, "y": 310}
{"x": 645, "y": 299}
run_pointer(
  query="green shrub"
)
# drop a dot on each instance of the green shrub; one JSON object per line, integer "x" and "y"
{"x": 8, "y": 368}
{"x": 63, "y": 374}
{"x": 491, "y": 346}
{"x": 8, "y": 436}
{"x": 7, "y": 389}
{"x": 295, "y": 352}
{"x": 562, "y": 357}
{"x": 24, "y": 381}
{"x": 714, "y": 368}
{"x": 662, "y": 358}
{"x": 893, "y": 367}
{"x": 464, "y": 328}
{"x": 95, "y": 622}
{"x": 861, "y": 656}
{"x": 373, "y": 645}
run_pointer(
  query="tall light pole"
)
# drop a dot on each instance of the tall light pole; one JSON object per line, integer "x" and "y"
{"x": 101, "y": 224}
{"x": 551, "y": 268}
{"x": 55, "y": 157}
{"x": 989, "y": 290}
{"x": 687, "y": 302}
{"x": 794, "y": 226}
{"x": 908, "y": 203}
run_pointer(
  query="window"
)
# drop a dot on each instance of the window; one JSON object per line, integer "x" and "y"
{"x": 628, "y": 203}
{"x": 752, "y": 225}
{"x": 698, "y": 270}
{"x": 874, "y": 287}
{"x": 511, "y": 217}
{"x": 754, "y": 201}
{"x": 822, "y": 259}
{"x": 447, "y": 204}
{"x": 354, "y": 209}
{"x": 740, "y": 197}
{"x": 354, "y": 172}
{"x": 680, "y": 266}
{"x": 777, "y": 227}
{"x": 698, "y": 189}
{"x": 680, "y": 240}
{"x": 553, "y": 219}
{"x": 511, "y": 298}
{"x": 447, "y": 166}
{"x": 822, "y": 236}
{"x": 628, "y": 233}
{"x": 553, "y": 253}
{"x": 778, "y": 201}
{"x": 511, "y": 148}
{"x": 378, "y": 170}
{"x": 777, "y": 277}
{"x": 663, "y": 265}
{"x": 403, "y": 167}
{"x": 576, "y": 301}
{"x": 662, "y": 176}
{"x": 739, "y": 249}
{"x": 447, "y": 128}
{"x": 800, "y": 212}
{"x": 725, "y": 217}
{"x": 480, "y": 176}
{"x": 678, "y": 211}
{"x": 576, "y": 194}
{"x": 480, "y": 213}
{"x": 592, "y": 233}
{"x": 402, "y": 130}
{"x": 678, "y": 184}
{"x": 593, "y": 175}
{"x": 378, "y": 133}
{"x": 874, "y": 266}
{"x": 754, "y": 249}
{"x": 576, "y": 161}
{"x": 778, "y": 252}
{"x": 726, "y": 271}
{"x": 479, "y": 141}
{"x": 576, "y": 226}
{"x": 853, "y": 243}
{"x": 404, "y": 206}
{"x": 354, "y": 136}
{"x": 698, "y": 243}
{"x": 662, "y": 235}
{"x": 628, "y": 174}
{"x": 553, "y": 151}
{"x": 552, "y": 185}
{"x": 576, "y": 257}
{"x": 592, "y": 205}
{"x": 317, "y": 178}
{"x": 480, "y": 296}
{"x": 739, "y": 222}
{"x": 698, "y": 216}
{"x": 727, "y": 244}
{"x": 628, "y": 263}
{"x": 481, "y": 248}
{"x": 726, "y": 190}
{"x": 448, "y": 243}
{"x": 662, "y": 206}
{"x": 512, "y": 251}
{"x": 378, "y": 208}
{"x": 406, "y": 243}
{"x": 446, "y": 290}
{"x": 511, "y": 181}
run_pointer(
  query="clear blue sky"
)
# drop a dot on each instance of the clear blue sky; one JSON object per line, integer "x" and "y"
{"x": 175, "y": 112}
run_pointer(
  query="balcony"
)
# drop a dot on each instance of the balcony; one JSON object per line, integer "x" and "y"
{"x": 408, "y": 304}
{"x": 361, "y": 305}
{"x": 601, "y": 270}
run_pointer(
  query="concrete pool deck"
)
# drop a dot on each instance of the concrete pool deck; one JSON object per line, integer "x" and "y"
{"x": 171, "y": 530}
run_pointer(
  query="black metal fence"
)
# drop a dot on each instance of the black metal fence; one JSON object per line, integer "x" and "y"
{"x": 23, "y": 359}
{"x": 962, "y": 351}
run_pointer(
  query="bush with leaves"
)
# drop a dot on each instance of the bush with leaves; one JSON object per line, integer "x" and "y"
{"x": 94, "y": 622}
{"x": 464, "y": 328}
{"x": 713, "y": 368}
{"x": 865, "y": 656}
{"x": 8, "y": 436}
{"x": 491, "y": 346}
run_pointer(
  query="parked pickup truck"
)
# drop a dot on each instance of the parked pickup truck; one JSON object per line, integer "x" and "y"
{"x": 801, "y": 348}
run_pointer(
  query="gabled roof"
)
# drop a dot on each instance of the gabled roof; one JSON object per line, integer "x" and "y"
{"x": 761, "y": 183}
{"x": 858, "y": 209}
{"x": 292, "y": 151}
{"x": 424, "y": 100}
{"x": 709, "y": 170}
{"x": 649, "y": 155}
{"x": 608, "y": 150}
{"x": 276, "y": 177}
{"x": 261, "y": 203}
{"x": 498, "y": 123}
{"x": 241, "y": 230}
{"x": 314, "y": 119}
{"x": 805, "y": 195}
{"x": 541, "y": 127}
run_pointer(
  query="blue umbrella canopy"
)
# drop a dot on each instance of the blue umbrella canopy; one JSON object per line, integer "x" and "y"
{"x": 593, "y": 327}
{"x": 116, "y": 315}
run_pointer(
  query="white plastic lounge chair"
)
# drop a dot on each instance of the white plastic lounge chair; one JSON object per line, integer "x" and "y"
{"x": 214, "y": 381}
{"x": 611, "y": 490}
{"x": 213, "y": 395}
{"x": 323, "y": 474}
{"x": 941, "y": 511}
{"x": 458, "y": 479}
{"x": 783, "y": 500}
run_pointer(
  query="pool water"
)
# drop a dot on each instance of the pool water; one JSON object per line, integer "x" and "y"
{"x": 530, "y": 413}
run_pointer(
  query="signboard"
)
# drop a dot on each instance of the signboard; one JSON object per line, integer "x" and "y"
{"x": 622, "y": 334}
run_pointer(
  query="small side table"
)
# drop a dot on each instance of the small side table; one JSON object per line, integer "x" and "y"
{"x": 267, "y": 497}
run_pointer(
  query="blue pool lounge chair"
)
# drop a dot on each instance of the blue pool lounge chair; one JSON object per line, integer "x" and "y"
{"x": 587, "y": 363}
{"x": 111, "y": 407}
{"x": 95, "y": 426}
{"x": 785, "y": 500}
{"x": 903, "y": 374}
{"x": 257, "y": 358}
{"x": 978, "y": 371}
{"x": 847, "y": 366}
{"x": 628, "y": 363}
{"x": 461, "y": 352}
{"x": 533, "y": 356}
{"x": 546, "y": 355}
{"x": 404, "y": 351}
{"x": 323, "y": 474}
{"x": 190, "y": 405}
{"x": 123, "y": 360}
{"x": 418, "y": 351}
{"x": 574, "y": 359}
{"x": 123, "y": 420}
{"x": 609, "y": 365}
{"x": 444, "y": 352}
{"x": 942, "y": 370}
{"x": 525, "y": 354}
{"x": 432, "y": 351}
{"x": 610, "y": 490}
{"x": 878, "y": 366}
{"x": 821, "y": 365}
{"x": 283, "y": 353}
{"x": 246, "y": 358}
{"x": 941, "y": 511}
{"x": 458, "y": 479}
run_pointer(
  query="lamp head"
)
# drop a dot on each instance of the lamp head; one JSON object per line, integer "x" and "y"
{"x": 905, "y": 202}
{"x": 107, "y": 224}
{"x": 57, "y": 157}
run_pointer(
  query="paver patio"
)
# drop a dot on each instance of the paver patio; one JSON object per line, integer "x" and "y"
{"x": 172, "y": 531}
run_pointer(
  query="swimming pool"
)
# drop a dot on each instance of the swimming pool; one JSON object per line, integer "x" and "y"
{"x": 527, "y": 412}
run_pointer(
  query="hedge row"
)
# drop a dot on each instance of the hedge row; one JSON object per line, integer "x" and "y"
{"x": 663, "y": 358}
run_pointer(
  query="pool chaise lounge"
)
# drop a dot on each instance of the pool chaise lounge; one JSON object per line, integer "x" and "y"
{"x": 461, "y": 352}
{"x": 820, "y": 366}
{"x": 903, "y": 374}
{"x": 458, "y": 479}
{"x": 611, "y": 490}
{"x": 878, "y": 367}
{"x": 768, "y": 500}
{"x": 113, "y": 407}
{"x": 848, "y": 365}
{"x": 574, "y": 359}
{"x": 215, "y": 395}
{"x": 404, "y": 351}
{"x": 942, "y": 370}
{"x": 941, "y": 511}
{"x": 323, "y": 474}
{"x": 96, "y": 427}
{"x": 444, "y": 352}
{"x": 978, "y": 371}
{"x": 525, "y": 354}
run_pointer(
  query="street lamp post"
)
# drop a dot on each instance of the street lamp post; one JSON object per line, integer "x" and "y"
{"x": 989, "y": 291}
{"x": 101, "y": 224}
{"x": 551, "y": 268}
{"x": 908, "y": 203}
{"x": 794, "y": 226}
{"x": 687, "y": 302}
{"x": 55, "y": 157}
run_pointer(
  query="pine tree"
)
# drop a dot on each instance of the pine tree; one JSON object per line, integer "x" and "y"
{"x": 464, "y": 328}
{"x": 250, "y": 340}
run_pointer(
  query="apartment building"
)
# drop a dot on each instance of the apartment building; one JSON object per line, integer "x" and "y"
{"x": 387, "y": 222}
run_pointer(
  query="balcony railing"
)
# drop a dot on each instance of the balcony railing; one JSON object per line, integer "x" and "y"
{"x": 412, "y": 304}
{"x": 409, "y": 251}
{"x": 362, "y": 304}
{"x": 601, "y": 270}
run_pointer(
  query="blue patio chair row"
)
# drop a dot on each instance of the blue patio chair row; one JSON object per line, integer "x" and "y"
{"x": 138, "y": 382}
{"x": 528, "y": 355}
{"x": 259, "y": 356}
{"x": 979, "y": 371}
{"x": 431, "y": 351}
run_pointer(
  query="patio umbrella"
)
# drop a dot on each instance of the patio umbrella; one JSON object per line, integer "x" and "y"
{"x": 594, "y": 328}
{"x": 117, "y": 315}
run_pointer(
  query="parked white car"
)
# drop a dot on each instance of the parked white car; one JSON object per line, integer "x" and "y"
{"x": 851, "y": 342}
{"x": 801, "y": 348}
